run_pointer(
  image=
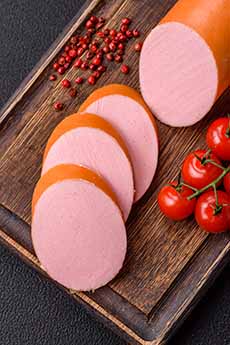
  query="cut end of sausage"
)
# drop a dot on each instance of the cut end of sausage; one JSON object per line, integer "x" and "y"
{"x": 78, "y": 234}
{"x": 125, "y": 109}
{"x": 178, "y": 74}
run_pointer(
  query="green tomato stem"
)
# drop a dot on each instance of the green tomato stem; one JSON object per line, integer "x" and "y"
{"x": 190, "y": 187}
{"x": 214, "y": 163}
{"x": 218, "y": 207}
{"x": 210, "y": 185}
{"x": 216, "y": 196}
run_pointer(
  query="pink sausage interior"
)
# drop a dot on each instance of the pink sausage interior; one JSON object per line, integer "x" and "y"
{"x": 100, "y": 152}
{"x": 79, "y": 235}
{"x": 178, "y": 74}
{"x": 130, "y": 119}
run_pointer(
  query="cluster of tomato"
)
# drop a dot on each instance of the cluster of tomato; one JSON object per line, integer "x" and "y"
{"x": 203, "y": 186}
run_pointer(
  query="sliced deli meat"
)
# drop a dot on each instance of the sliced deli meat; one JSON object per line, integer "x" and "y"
{"x": 78, "y": 231}
{"x": 125, "y": 109}
{"x": 92, "y": 142}
{"x": 185, "y": 61}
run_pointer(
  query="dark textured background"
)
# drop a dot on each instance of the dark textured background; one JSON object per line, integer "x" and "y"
{"x": 32, "y": 310}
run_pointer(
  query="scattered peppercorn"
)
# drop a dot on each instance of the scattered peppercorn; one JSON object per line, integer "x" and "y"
{"x": 116, "y": 39}
{"x": 92, "y": 67}
{"x": 96, "y": 74}
{"x": 61, "y": 70}
{"x": 80, "y": 51}
{"x": 113, "y": 32}
{"x": 138, "y": 46}
{"x": 52, "y": 77}
{"x": 61, "y": 61}
{"x": 56, "y": 66}
{"x": 136, "y": 33}
{"x": 107, "y": 40}
{"x": 126, "y": 21}
{"x": 72, "y": 53}
{"x": 120, "y": 52}
{"x": 125, "y": 69}
{"x": 79, "y": 80}
{"x": 109, "y": 57}
{"x": 123, "y": 28}
{"x": 66, "y": 65}
{"x": 90, "y": 32}
{"x": 106, "y": 32}
{"x": 66, "y": 83}
{"x": 121, "y": 46}
{"x": 100, "y": 34}
{"x": 84, "y": 46}
{"x": 93, "y": 48}
{"x": 58, "y": 106}
{"x": 68, "y": 58}
{"x": 102, "y": 68}
{"x": 67, "y": 48}
{"x": 96, "y": 61}
{"x": 85, "y": 40}
{"x": 96, "y": 41}
{"x": 100, "y": 53}
{"x": 78, "y": 63}
{"x": 111, "y": 44}
{"x": 121, "y": 37}
{"x": 74, "y": 40}
{"x": 129, "y": 34}
{"x": 118, "y": 58}
{"x": 73, "y": 92}
{"x": 84, "y": 65}
{"x": 91, "y": 80}
{"x": 99, "y": 25}
{"x": 89, "y": 55}
{"x": 106, "y": 49}
{"x": 89, "y": 24}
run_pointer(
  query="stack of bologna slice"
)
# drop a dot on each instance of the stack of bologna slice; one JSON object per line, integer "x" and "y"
{"x": 126, "y": 110}
{"x": 185, "y": 61}
{"x": 96, "y": 163}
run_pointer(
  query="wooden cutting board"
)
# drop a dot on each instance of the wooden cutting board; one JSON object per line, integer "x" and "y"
{"x": 168, "y": 265}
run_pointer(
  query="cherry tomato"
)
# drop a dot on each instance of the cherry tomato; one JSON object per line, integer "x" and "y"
{"x": 218, "y": 138}
{"x": 227, "y": 183}
{"x": 173, "y": 201}
{"x": 208, "y": 217}
{"x": 199, "y": 174}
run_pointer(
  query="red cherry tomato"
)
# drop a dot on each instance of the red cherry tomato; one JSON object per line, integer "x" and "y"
{"x": 227, "y": 183}
{"x": 218, "y": 138}
{"x": 208, "y": 218}
{"x": 173, "y": 202}
{"x": 197, "y": 173}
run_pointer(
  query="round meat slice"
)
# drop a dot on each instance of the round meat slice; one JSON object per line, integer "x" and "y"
{"x": 184, "y": 62}
{"x": 125, "y": 109}
{"x": 179, "y": 88}
{"x": 78, "y": 231}
{"x": 92, "y": 142}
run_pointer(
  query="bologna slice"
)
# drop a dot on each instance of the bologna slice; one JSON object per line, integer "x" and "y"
{"x": 125, "y": 109}
{"x": 77, "y": 228}
{"x": 185, "y": 61}
{"x": 92, "y": 142}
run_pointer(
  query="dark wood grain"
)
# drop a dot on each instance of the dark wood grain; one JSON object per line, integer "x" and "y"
{"x": 16, "y": 228}
{"x": 150, "y": 296}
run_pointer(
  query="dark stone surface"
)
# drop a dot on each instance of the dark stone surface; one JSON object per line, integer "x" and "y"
{"x": 32, "y": 310}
